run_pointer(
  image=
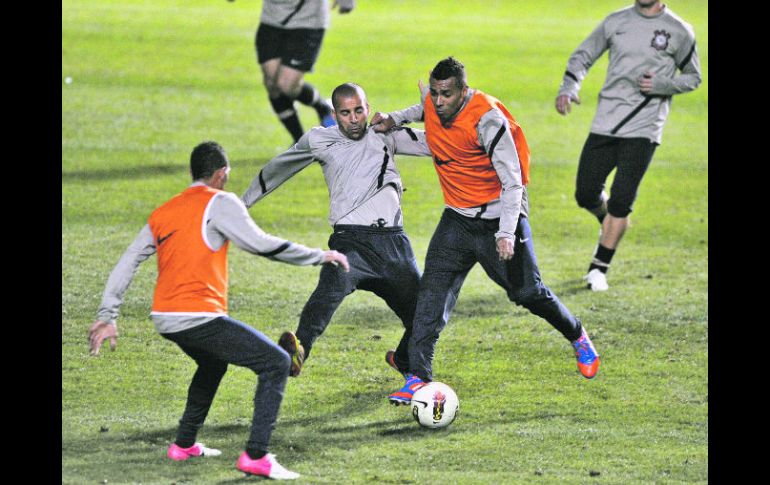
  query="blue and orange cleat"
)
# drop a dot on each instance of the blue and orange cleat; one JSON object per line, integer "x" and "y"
{"x": 587, "y": 358}
{"x": 404, "y": 395}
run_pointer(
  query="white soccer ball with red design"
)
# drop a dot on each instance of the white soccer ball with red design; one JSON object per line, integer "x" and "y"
{"x": 435, "y": 405}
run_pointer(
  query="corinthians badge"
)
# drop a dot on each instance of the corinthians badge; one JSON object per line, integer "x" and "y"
{"x": 660, "y": 40}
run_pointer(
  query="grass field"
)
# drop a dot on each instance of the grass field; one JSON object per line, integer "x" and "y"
{"x": 149, "y": 80}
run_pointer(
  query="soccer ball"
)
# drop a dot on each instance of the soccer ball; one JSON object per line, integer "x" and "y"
{"x": 435, "y": 405}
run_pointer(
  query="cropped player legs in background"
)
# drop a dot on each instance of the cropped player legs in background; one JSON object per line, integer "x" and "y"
{"x": 278, "y": 50}
{"x": 630, "y": 158}
{"x": 284, "y": 85}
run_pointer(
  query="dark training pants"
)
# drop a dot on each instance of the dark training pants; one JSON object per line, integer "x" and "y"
{"x": 381, "y": 261}
{"x": 458, "y": 243}
{"x": 213, "y": 346}
{"x": 601, "y": 154}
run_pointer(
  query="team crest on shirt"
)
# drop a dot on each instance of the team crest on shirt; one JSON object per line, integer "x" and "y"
{"x": 660, "y": 40}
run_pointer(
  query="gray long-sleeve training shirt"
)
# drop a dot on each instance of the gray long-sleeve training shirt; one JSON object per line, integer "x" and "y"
{"x": 364, "y": 184}
{"x": 228, "y": 220}
{"x": 299, "y": 14}
{"x": 662, "y": 44}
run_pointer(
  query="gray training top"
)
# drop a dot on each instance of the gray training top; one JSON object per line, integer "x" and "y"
{"x": 513, "y": 200}
{"x": 228, "y": 220}
{"x": 662, "y": 44}
{"x": 299, "y": 14}
{"x": 364, "y": 184}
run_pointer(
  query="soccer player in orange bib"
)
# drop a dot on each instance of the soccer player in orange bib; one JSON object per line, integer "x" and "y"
{"x": 482, "y": 160}
{"x": 191, "y": 234}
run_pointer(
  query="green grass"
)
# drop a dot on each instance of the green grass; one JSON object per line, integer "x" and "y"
{"x": 152, "y": 79}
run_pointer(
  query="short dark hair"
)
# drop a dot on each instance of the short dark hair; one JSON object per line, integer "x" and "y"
{"x": 450, "y": 67}
{"x": 346, "y": 90}
{"x": 207, "y": 158}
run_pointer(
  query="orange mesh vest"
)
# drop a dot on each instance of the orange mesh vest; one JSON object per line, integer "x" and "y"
{"x": 192, "y": 278}
{"x": 464, "y": 169}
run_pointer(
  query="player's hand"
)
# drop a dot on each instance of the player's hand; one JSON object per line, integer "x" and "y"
{"x": 645, "y": 82}
{"x": 563, "y": 103}
{"x": 336, "y": 259}
{"x": 99, "y": 332}
{"x": 382, "y": 122}
{"x": 345, "y": 5}
{"x": 505, "y": 248}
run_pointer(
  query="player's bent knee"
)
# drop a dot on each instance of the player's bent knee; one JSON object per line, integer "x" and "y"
{"x": 290, "y": 87}
{"x": 588, "y": 201}
{"x": 282, "y": 362}
{"x": 278, "y": 363}
{"x": 619, "y": 210}
{"x": 529, "y": 295}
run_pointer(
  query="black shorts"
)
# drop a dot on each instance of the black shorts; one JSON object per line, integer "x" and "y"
{"x": 601, "y": 154}
{"x": 297, "y": 48}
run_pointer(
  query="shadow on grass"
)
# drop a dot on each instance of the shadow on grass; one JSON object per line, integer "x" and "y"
{"x": 498, "y": 304}
{"x": 324, "y": 430}
{"x": 367, "y": 317}
{"x": 127, "y": 173}
{"x": 569, "y": 287}
{"x": 143, "y": 172}
{"x": 142, "y": 453}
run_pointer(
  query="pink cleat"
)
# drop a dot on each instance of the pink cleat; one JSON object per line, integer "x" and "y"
{"x": 266, "y": 466}
{"x": 178, "y": 453}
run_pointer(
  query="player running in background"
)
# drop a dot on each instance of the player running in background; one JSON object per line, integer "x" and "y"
{"x": 288, "y": 41}
{"x": 482, "y": 161}
{"x": 647, "y": 44}
{"x": 191, "y": 234}
{"x": 365, "y": 192}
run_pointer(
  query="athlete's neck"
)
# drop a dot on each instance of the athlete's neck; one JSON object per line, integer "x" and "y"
{"x": 649, "y": 9}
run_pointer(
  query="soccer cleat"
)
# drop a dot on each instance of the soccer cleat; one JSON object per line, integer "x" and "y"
{"x": 267, "y": 466}
{"x": 404, "y": 395}
{"x": 177, "y": 453}
{"x": 327, "y": 120}
{"x": 597, "y": 281}
{"x": 390, "y": 358}
{"x": 291, "y": 344}
{"x": 587, "y": 358}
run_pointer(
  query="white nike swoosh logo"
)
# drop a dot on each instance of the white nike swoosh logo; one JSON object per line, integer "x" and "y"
{"x": 295, "y": 62}
{"x": 523, "y": 240}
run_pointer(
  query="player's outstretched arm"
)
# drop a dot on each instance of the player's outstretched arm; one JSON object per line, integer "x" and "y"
{"x": 120, "y": 278}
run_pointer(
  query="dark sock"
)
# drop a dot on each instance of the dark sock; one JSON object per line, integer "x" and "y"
{"x": 310, "y": 96}
{"x": 602, "y": 259}
{"x": 255, "y": 454}
{"x": 284, "y": 108}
